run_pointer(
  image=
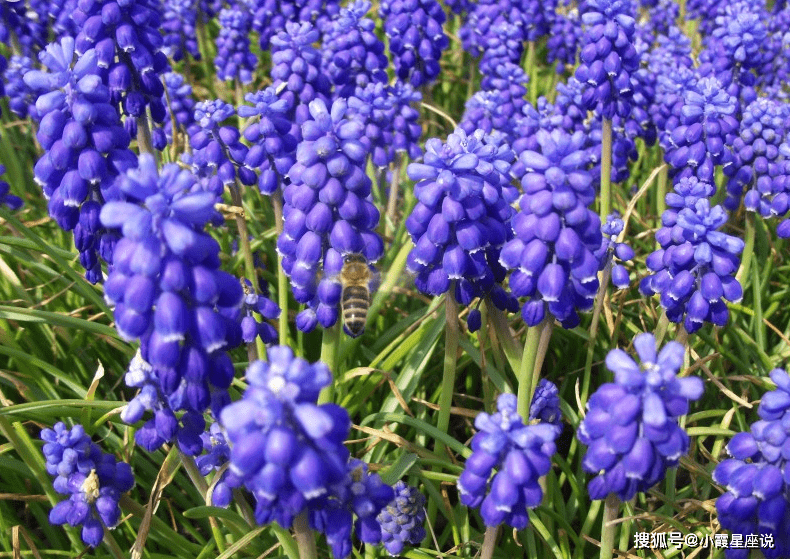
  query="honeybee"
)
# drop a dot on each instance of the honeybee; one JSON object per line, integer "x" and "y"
{"x": 358, "y": 278}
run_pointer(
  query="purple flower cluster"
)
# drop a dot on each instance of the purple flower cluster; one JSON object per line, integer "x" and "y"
{"x": 271, "y": 16}
{"x": 545, "y": 406}
{"x": 234, "y": 60}
{"x": 7, "y": 199}
{"x": 631, "y": 426}
{"x": 285, "y": 449}
{"x": 272, "y": 145}
{"x": 460, "y": 222}
{"x": 128, "y": 44}
{"x": 328, "y": 215}
{"x": 614, "y": 252}
{"x": 169, "y": 293}
{"x": 86, "y": 147}
{"x": 402, "y": 519}
{"x": 564, "y": 40}
{"x": 359, "y": 494}
{"x": 216, "y": 455}
{"x": 353, "y": 55}
{"x": 93, "y": 480}
{"x": 262, "y": 305}
{"x": 179, "y": 21}
{"x": 21, "y": 99}
{"x": 376, "y": 107}
{"x": 755, "y": 478}
{"x": 556, "y": 234}
{"x": 608, "y": 57}
{"x": 218, "y": 154}
{"x": 760, "y": 163}
{"x": 700, "y": 141}
{"x": 694, "y": 270}
{"x": 180, "y": 107}
{"x": 416, "y": 38}
{"x": 297, "y": 72}
{"x": 521, "y": 454}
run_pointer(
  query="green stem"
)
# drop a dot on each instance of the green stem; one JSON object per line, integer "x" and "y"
{"x": 531, "y": 362}
{"x": 661, "y": 190}
{"x": 606, "y": 169}
{"x": 529, "y": 67}
{"x": 115, "y": 549}
{"x": 246, "y": 252}
{"x": 504, "y": 335}
{"x": 596, "y": 320}
{"x": 748, "y": 250}
{"x": 611, "y": 509}
{"x": 489, "y": 542}
{"x": 282, "y": 280}
{"x": 304, "y": 537}
{"x": 661, "y": 327}
{"x": 451, "y": 334}
{"x": 144, "y": 142}
{"x": 392, "y": 201}
{"x": 329, "y": 351}
{"x": 202, "y": 486}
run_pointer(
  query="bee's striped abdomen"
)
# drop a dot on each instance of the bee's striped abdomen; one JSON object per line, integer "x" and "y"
{"x": 355, "y": 302}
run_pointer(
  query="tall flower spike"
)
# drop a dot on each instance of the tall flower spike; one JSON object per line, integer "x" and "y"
{"x": 403, "y": 518}
{"x": 218, "y": 154}
{"x": 273, "y": 148}
{"x": 755, "y": 478}
{"x": 556, "y": 234}
{"x": 701, "y": 140}
{"x": 169, "y": 293}
{"x": 93, "y": 480}
{"x": 608, "y": 57}
{"x": 353, "y": 54}
{"x": 328, "y": 215}
{"x": 631, "y": 426}
{"x": 297, "y": 72}
{"x": 180, "y": 107}
{"x": 521, "y": 454}
{"x": 285, "y": 449}
{"x": 694, "y": 270}
{"x": 128, "y": 44}
{"x": 179, "y": 21}
{"x": 21, "y": 99}
{"x": 416, "y": 38}
{"x": 564, "y": 40}
{"x": 271, "y": 16}
{"x": 234, "y": 60}
{"x": 759, "y": 160}
{"x": 86, "y": 147}
{"x": 461, "y": 218}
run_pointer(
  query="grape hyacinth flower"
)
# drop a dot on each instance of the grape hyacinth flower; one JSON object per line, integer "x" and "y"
{"x": 271, "y": 16}
{"x": 285, "y": 449}
{"x": 460, "y": 222}
{"x": 234, "y": 60}
{"x": 169, "y": 293}
{"x": 297, "y": 72}
{"x": 416, "y": 38}
{"x": 128, "y": 44}
{"x": 218, "y": 154}
{"x": 7, "y": 199}
{"x": 759, "y": 160}
{"x": 328, "y": 215}
{"x": 93, "y": 480}
{"x": 608, "y": 57}
{"x": 217, "y": 454}
{"x": 375, "y": 107}
{"x": 521, "y": 454}
{"x": 755, "y": 478}
{"x": 406, "y": 128}
{"x": 261, "y": 304}
{"x": 556, "y": 235}
{"x": 353, "y": 56}
{"x": 180, "y": 107}
{"x": 272, "y": 151}
{"x": 694, "y": 270}
{"x": 359, "y": 494}
{"x": 545, "y": 405}
{"x": 179, "y": 21}
{"x": 564, "y": 40}
{"x": 86, "y": 147}
{"x": 700, "y": 140}
{"x": 631, "y": 426}
{"x": 402, "y": 519}
{"x": 21, "y": 99}
{"x": 505, "y": 44}
{"x": 614, "y": 253}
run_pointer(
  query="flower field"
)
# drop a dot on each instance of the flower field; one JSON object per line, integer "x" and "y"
{"x": 417, "y": 278}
